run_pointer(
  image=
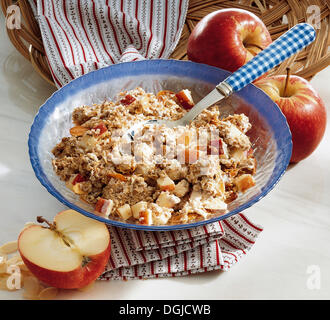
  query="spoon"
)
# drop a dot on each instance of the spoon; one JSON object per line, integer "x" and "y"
{"x": 291, "y": 42}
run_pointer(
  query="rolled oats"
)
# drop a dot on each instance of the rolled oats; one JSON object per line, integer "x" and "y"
{"x": 165, "y": 175}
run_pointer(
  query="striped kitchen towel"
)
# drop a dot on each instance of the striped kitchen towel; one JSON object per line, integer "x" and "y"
{"x": 145, "y": 254}
{"x": 84, "y": 35}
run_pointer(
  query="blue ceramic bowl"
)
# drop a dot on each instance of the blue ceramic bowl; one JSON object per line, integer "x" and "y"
{"x": 270, "y": 135}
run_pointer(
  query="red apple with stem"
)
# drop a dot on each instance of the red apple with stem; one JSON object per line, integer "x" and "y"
{"x": 69, "y": 253}
{"x": 227, "y": 39}
{"x": 303, "y": 108}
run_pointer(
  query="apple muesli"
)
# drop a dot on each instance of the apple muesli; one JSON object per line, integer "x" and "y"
{"x": 163, "y": 176}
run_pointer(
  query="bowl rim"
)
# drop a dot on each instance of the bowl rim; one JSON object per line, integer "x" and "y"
{"x": 155, "y": 66}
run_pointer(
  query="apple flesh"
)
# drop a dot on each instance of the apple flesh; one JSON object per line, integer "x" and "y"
{"x": 69, "y": 254}
{"x": 303, "y": 108}
{"x": 227, "y": 39}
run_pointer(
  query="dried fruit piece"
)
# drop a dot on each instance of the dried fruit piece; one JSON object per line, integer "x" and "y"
{"x": 78, "y": 131}
{"x": 9, "y": 247}
{"x": 118, "y": 176}
{"x": 49, "y": 293}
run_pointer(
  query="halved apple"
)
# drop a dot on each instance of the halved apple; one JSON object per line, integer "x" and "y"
{"x": 70, "y": 253}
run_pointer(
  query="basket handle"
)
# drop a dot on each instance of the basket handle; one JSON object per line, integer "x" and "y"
{"x": 282, "y": 48}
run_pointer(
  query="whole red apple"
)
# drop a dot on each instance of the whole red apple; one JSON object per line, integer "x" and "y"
{"x": 69, "y": 254}
{"x": 303, "y": 108}
{"x": 227, "y": 39}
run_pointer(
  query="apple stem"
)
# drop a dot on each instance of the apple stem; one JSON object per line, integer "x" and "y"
{"x": 288, "y": 71}
{"x": 52, "y": 226}
{"x": 41, "y": 219}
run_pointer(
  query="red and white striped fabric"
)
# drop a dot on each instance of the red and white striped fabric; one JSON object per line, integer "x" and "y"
{"x": 84, "y": 35}
{"x": 144, "y": 254}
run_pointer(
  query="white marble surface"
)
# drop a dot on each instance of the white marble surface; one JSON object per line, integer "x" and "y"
{"x": 295, "y": 215}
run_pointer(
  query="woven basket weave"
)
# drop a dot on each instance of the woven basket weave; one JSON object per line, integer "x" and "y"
{"x": 278, "y": 16}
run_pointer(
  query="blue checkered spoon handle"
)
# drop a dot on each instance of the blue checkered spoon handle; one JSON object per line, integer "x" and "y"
{"x": 282, "y": 48}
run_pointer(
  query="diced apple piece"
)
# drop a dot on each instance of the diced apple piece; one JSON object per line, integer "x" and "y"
{"x": 88, "y": 142}
{"x": 244, "y": 182}
{"x": 195, "y": 195}
{"x": 78, "y": 131}
{"x": 167, "y": 200}
{"x": 181, "y": 188}
{"x": 238, "y": 155}
{"x": 215, "y": 205}
{"x": 104, "y": 207}
{"x": 75, "y": 184}
{"x": 125, "y": 211}
{"x": 138, "y": 208}
{"x": 77, "y": 189}
{"x": 165, "y": 183}
{"x": 146, "y": 217}
{"x": 185, "y": 99}
{"x": 127, "y": 100}
{"x": 78, "y": 178}
{"x": 101, "y": 128}
{"x": 161, "y": 217}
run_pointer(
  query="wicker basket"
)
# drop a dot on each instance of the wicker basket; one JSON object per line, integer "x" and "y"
{"x": 306, "y": 63}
